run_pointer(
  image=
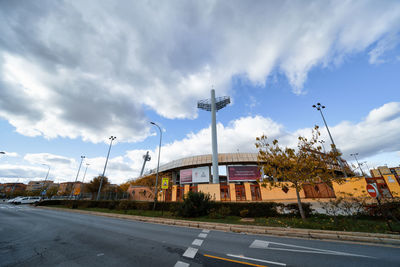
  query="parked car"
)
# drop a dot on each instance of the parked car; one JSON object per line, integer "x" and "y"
{"x": 30, "y": 200}
{"x": 16, "y": 200}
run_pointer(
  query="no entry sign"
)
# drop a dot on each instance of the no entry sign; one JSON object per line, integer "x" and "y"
{"x": 372, "y": 190}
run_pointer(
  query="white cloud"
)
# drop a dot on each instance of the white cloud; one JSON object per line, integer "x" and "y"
{"x": 89, "y": 69}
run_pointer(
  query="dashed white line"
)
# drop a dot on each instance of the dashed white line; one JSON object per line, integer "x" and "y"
{"x": 197, "y": 242}
{"x": 181, "y": 264}
{"x": 190, "y": 252}
{"x": 202, "y": 235}
{"x": 206, "y": 231}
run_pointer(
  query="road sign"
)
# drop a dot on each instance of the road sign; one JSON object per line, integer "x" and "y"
{"x": 164, "y": 183}
{"x": 372, "y": 190}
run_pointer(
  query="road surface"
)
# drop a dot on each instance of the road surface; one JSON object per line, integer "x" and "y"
{"x": 36, "y": 237}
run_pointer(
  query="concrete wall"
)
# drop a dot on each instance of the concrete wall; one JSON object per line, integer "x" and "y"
{"x": 248, "y": 191}
{"x": 232, "y": 191}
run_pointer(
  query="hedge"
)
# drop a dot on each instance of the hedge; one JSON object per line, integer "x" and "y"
{"x": 255, "y": 209}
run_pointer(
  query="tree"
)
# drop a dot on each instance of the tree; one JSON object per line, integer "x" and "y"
{"x": 304, "y": 165}
{"x": 52, "y": 191}
{"x": 94, "y": 184}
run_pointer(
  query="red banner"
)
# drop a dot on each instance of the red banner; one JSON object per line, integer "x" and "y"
{"x": 243, "y": 173}
{"x": 186, "y": 176}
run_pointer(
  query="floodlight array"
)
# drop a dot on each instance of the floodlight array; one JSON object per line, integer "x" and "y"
{"x": 220, "y": 102}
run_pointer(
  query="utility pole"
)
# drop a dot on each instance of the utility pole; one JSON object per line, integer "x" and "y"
{"x": 45, "y": 179}
{"x": 319, "y": 107}
{"x": 83, "y": 180}
{"x": 73, "y": 185}
{"x": 112, "y": 138}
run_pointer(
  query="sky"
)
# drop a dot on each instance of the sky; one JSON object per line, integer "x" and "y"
{"x": 73, "y": 73}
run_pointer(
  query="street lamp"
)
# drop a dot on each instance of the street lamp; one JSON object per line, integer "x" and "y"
{"x": 359, "y": 166}
{"x": 112, "y": 138}
{"x": 158, "y": 165}
{"x": 83, "y": 180}
{"x": 73, "y": 186}
{"x": 319, "y": 107}
{"x": 45, "y": 179}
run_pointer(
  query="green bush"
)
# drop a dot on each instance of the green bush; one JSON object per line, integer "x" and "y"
{"x": 195, "y": 204}
{"x": 221, "y": 213}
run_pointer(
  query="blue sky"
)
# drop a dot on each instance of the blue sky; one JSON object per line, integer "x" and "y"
{"x": 85, "y": 71}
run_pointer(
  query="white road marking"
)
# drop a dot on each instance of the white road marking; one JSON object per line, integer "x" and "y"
{"x": 181, "y": 264}
{"x": 253, "y": 259}
{"x": 197, "y": 242}
{"x": 206, "y": 231}
{"x": 100, "y": 254}
{"x": 190, "y": 252}
{"x": 266, "y": 245}
{"x": 202, "y": 235}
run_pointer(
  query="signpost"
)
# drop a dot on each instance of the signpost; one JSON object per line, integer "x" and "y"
{"x": 164, "y": 187}
{"x": 373, "y": 191}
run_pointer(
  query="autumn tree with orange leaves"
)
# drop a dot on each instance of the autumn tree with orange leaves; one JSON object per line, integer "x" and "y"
{"x": 288, "y": 167}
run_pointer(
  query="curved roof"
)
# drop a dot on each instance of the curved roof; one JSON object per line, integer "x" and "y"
{"x": 206, "y": 160}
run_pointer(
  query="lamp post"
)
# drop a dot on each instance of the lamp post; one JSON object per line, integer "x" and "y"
{"x": 364, "y": 162}
{"x": 73, "y": 185}
{"x": 45, "y": 179}
{"x": 158, "y": 165}
{"x": 83, "y": 180}
{"x": 112, "y": 138}
{"x": 319, "y": 107}
{"x": 359, "y": 166}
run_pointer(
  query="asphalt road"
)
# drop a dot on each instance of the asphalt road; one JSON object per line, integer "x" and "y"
{"x": 35, "y": 237}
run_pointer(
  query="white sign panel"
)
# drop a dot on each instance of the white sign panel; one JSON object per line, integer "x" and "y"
{"x": 201, "y": 175}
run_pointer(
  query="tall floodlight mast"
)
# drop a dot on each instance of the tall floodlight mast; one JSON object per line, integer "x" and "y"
{"x": 213, "y": 105}
{"x": 145, "y": 158}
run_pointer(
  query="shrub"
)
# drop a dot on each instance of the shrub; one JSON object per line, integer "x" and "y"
{"x": 244, "y": 213}
{"x": 293, "y": 209}
{"x": 221, "y": 213}
{"x": 195, "y": 204}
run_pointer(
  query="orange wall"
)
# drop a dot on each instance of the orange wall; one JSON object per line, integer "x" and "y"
{"x": 248, "y": 191}
{"x": 277, "y": 194}
{"x": 232, "y": 191}
{"x": 354, "y": 185}
{"x": 212, "y": 189}
{"x": 393, "y": 185}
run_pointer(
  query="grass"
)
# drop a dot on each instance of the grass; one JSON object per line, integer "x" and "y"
{"x": 321, "y": 222}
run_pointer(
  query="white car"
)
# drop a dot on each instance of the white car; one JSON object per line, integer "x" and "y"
{"x": 30, "y": 200}
{"x": 15, "y": 200}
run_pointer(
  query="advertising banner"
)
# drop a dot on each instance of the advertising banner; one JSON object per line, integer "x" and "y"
{"x": 243, "y": 173}
{"x": 201, "y": 175}
{"x": 186, "y": 176}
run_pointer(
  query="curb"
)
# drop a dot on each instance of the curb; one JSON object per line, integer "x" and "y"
{"x": 374, "y": 238}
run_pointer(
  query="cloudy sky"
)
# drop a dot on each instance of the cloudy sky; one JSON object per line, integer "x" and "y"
{"x": 73, "y": 73}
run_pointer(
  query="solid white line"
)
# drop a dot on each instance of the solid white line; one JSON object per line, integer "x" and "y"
{"x": 197, "y": 242}
{"x": 202, "y": 235}
{"x": 253, "y": 259}
{"x": 265, "y": 245}
{"x": 190, "y": 252}
{"x": 181, "y": 264}
{"x": 206, "y": 231}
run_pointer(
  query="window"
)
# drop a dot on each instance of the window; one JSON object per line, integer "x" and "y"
{"x": 180, "y": 191}
{"x": 255, "y": 192}
{"x": 225, "y": 194}
{"x": 240, "y": 192}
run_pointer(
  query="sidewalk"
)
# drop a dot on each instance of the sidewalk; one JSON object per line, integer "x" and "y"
{"x": 374, "y": 238}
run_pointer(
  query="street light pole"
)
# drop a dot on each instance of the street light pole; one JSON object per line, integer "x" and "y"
{"x": 359, "y": 166}
{"x": 83, "y": 180}
{"x": 45, "y": 179}
{"x": 112, "y": 138}
{"x": 158, "y": 165}
{"x": 73, "y": 185}
{"x": 319, "y": 107}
